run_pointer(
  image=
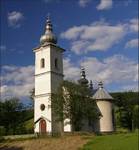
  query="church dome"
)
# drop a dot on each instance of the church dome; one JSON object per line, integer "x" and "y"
{"x": 49, "y": 36}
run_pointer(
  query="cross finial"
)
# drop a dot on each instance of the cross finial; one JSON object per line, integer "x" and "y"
{"x": 48, "y": 16}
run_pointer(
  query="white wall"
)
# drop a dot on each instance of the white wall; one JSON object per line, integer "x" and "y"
{"x": 47, "y": 80}
{"x": 67, "y": 125}
{"x": 106, "y": 124}
{"x": 46, "y": 114}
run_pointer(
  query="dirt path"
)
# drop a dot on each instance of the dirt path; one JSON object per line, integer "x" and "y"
{"x": 64, "y": 143}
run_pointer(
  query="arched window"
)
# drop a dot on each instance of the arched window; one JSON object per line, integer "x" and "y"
{"x": 56, "y": 63}
{"x": 42, "y": 63}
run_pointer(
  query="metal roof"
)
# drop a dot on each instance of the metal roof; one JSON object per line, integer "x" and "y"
{"x": 102, "y": 94}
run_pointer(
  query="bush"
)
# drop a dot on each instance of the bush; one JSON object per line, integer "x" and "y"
{"x": 2, "y": 131}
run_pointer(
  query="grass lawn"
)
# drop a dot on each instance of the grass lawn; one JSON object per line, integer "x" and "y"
{"x": 126, "y": 141}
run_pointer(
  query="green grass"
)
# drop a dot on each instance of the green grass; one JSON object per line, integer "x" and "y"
{"x": 127, "y": 141}
{"x": 29, "y": 124}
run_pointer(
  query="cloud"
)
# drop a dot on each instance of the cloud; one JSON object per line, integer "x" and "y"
{"x": 132, "y": 43}
{"x": 71, "y": 71}
{"x": 115, "y": 70}
{"x": 134, "y": 25}
{"x": 84, "y": 3}
{"x": 105, "y": 4}
{"x": 15, "y": 18}
{"x": 2, "y": 48}
{"x": 5, "y": 49}
{"x": 16, "y": 81}
{"x": 97, "y": 36}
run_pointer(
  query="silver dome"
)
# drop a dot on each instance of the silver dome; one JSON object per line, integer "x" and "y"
{"x": 49, "y": 36}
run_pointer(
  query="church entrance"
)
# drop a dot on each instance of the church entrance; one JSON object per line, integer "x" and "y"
{"x": 42, "y": 125}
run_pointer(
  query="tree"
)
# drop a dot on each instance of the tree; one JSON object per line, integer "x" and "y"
{"x": 75, "y": 102}
{"x": 10, "y": 115}
{"x": 127, "y": 108}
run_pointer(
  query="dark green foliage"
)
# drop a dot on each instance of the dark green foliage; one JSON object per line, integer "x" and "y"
{"x": 74, "y": 101}
{"x": 12, "y": 117}
{"x": 127, "y": 109}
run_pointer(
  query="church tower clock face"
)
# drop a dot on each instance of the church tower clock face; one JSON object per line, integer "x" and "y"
{"x": 48, "y": 76}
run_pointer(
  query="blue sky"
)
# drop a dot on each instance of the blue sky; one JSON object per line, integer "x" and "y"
{"x": 101, "y": 35}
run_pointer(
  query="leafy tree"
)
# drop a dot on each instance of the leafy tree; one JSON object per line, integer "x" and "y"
{"x": 12, "y": 116}
{"x": 127, "y": 108}
{"x": 74, "y": 101}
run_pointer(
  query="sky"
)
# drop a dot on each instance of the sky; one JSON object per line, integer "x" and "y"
{"x": 99, "y": 35}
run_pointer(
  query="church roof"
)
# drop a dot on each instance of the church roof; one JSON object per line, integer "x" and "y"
{"x": 101, "y": 93}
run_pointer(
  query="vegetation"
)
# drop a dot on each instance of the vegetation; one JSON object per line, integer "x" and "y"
{"x": 74, "y": 101}
{"x": 127, "y": 110}
{"x": 70, "y": 142}
{"x": 13, "y": 116}
{"x": 127, "y": 141}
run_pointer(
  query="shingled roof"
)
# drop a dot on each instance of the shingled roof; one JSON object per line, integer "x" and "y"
{"x": 101, "y": 93}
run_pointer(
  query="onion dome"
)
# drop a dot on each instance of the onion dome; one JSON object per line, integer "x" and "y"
{"x": 49, "y": 36}
{"x": 101, "y": 93}
{"x": 83, "y": 80}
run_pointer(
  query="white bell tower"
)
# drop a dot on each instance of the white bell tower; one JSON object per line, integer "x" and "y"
{"x": 48, "y": 76}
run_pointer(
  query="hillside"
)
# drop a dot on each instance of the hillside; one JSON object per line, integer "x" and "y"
{"x": 29, "y": 124}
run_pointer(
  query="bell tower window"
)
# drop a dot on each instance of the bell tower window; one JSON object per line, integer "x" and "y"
{"x": 56, "y": 63}
{"x": 42, "y": 63}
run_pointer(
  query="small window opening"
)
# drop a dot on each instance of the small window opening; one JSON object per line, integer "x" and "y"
{"x": 42, "y": 63}
{"x": 56, "y": 63}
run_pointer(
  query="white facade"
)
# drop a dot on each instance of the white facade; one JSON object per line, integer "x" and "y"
{"x": 67, "y": 125}
{"x": 47, "y": 80}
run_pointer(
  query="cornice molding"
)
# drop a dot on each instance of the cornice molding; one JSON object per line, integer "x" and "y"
{"x": 43, "y": 73}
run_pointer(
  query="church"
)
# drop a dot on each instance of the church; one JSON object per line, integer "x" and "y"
{"x": 49, "y": 75}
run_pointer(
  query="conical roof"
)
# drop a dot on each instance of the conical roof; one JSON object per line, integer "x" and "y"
{"x": 101, "y": 93}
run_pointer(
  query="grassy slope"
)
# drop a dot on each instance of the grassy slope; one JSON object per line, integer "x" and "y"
{"x": 127, "y": 141}
{"x": 29, "y": 124}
